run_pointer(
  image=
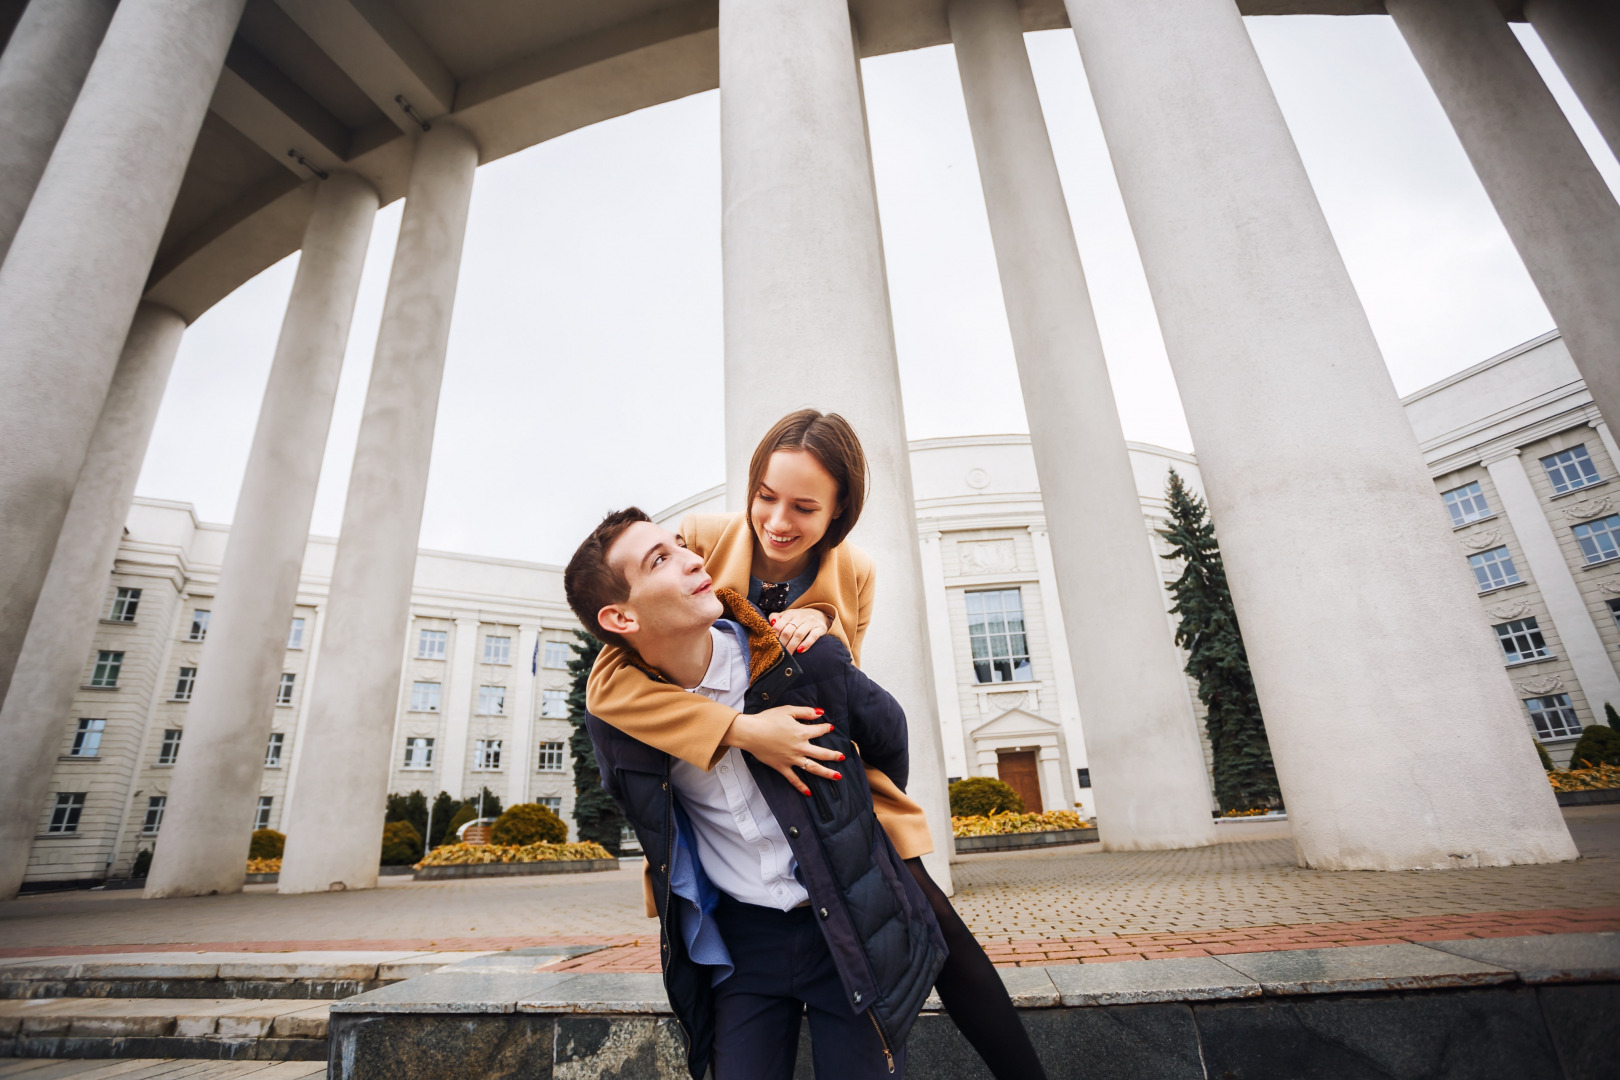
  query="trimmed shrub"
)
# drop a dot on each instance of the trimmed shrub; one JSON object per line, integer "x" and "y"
{"x": 978, "y": 796}
{"x": 1541, "y": 752}
{"x": 266, "y": 844}
{"x": 1598, "y": 745}
{"x": 468, "y": 812}
{"x": 401, "y": 844}
{"x": 529, "y": 823}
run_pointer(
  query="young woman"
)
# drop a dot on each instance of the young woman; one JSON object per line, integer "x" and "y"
{"x": 807, "y": 483}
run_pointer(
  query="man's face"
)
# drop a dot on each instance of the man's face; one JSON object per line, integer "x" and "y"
{"x": 670, "y": 595}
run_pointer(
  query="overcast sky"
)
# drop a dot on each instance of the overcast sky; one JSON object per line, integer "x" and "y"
{"x": 584, "y": 369}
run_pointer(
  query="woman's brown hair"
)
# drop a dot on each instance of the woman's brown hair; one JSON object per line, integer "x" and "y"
{"x": 829, "y": 438}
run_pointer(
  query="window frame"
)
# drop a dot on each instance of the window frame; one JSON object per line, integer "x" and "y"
{"x": 125, "y": 603}
{"x": 273, "y": 747}
{"x": 487, "y": 755}
{"x": 261, "y": 813}
{"x": 169, "y": 747}
{"x": 503, "y": 650}
{"x": 185, "y": 683}
{"x": 109, "y": 665}
{"x": 1463, "y": 497}
{"x": 419, "y": 694}
{"x": 485, "y": 700}
{"x": 1593, "y": 540}
{"x": 81, "y": 738}
{"x": 286, "y": 687}
{"x": 295, "y": 633}
{"x": 1515, "y": 632}
{"x": 555, "y": 749}
{"x": 1562, "y": 711}
{"x": 153, "y": 819}
{"x": 1482, "y": 568}
{"x": 1006, "y": 636}
{"x": 199, "y": 626}
{"x": 440, "y": 639}
{"x": 1586, "y": 470}
{"x": 555, "y": 649}
{"x": 423, "y": 743}
{"x": 66, "y": 812}
{"x": 551, "y": 697}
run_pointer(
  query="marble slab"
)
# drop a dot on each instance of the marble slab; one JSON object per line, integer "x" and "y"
{"x": 1546, "y": 958}
{"x": 1362, "y": 968}
{"x": 1135, "y": 982}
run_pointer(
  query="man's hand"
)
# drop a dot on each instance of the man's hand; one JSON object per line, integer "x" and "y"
{"x": 798, "y": 628}
{"x": 778, "y": 739}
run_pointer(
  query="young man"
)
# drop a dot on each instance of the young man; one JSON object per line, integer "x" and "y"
{"x": 770, "y": 903}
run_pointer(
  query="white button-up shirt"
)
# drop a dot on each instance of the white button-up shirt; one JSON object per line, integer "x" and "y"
{"x": 739, "y": 841}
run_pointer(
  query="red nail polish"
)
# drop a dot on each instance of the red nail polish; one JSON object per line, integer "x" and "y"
{"x": 840, "y": 757}
{"x": 801, "y": 648}
{"x": 838, "y": 776}
{"x": 806, "y": 794}
{"x": 820, "y": 711}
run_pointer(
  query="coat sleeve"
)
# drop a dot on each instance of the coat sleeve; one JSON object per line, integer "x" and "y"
{"x": 877, "y": 724}
{"x": 665, "y": 717}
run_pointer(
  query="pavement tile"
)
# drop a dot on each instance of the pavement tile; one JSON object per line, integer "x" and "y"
{"x": 451, "y": 992}
{"x": 1180, "y": 979}
{"x": 359, "y": 966}
{"x": 1361, "y": 968}
{"x": 1546, "y": 958}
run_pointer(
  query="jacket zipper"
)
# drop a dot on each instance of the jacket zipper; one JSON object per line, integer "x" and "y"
{"x": 887, "y": 1056}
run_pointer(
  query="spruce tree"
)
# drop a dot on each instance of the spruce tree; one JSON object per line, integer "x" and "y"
{"x": 1244, "y": 775}
{"x": 596, "y": 816}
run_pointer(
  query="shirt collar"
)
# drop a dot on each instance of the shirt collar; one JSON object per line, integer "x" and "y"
{"x": 722, "y": 661}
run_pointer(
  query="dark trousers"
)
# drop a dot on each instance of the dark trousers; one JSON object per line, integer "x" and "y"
{"x": 784, "y": 970}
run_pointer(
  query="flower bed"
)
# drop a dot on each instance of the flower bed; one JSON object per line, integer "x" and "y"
{"x": 1002, "y": 824}
{"x": 1597, "y": 779}
{"x": 264, "y": 866}
{"x": 481, "y": 854}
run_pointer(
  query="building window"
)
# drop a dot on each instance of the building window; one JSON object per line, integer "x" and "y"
{"x": 107, "y": 667}
{"x": 430, "y": 644}
{"x": 1082, "y": 777}
{"x": 1600, "y": 539}
{"x": 184, "y": 683}
{"x": 487, "y": 754}
{"x": 996, "y": 630}
{"x": 1493, "y": 569}
{"x": 284, "y": 691}
{"x": 1521, "y": 640}
{"x": 199, "y": 625}
{"x": 1570, "y": 469}
{"x": 497, "y": 650}
{"x": 556, "y": 654}
{"x": 1466, "y": 503}
{"x": 1614, "y": 612}
{"x": 419, "y": 753}
{"x": 154, "y": 814}
{"x": 295, "y": 634}
{"x": 424, "y": 697}
{"x": 551, "y": 757}
{"x": 272, "y": 751}
{"x": 554, "y": 703}
{"x": 492, "y": 701}
{"x": 552, "y": 803}
{"x": 261, "y": 817}
{"x": 171, "y": 746}
{"x": 87, "y": 740}
{"x": 125, "y": 601}
{"x": 1554, "y": 717}
{"x": 65, "y": 814}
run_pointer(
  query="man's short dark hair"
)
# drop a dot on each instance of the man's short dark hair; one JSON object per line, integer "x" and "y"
{"x": 591, "y": 583}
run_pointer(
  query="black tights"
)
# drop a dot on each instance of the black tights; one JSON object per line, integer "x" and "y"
{"x": 974, "y": 995}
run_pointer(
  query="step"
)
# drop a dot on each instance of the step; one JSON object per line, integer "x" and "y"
{"x": 158, "y": 1069}
{"x": 232, "y": 1028}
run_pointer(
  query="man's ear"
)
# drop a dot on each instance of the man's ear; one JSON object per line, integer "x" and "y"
{"x": 616, "y": 619}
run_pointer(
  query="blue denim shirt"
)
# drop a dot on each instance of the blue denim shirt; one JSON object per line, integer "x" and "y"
{"x": 688, "y": 881}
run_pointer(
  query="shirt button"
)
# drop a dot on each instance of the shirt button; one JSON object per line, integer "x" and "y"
{"x": 793, "y": 831}
{"x": 725, "y": 768}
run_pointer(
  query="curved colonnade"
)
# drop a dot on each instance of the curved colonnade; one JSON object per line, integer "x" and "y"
{"x": 211, "y": 138}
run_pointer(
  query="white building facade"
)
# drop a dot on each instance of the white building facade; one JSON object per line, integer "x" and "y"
{"x": 1522, "y": 464}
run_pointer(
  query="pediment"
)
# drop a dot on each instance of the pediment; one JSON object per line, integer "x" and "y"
{"x": 1016, "y": 722}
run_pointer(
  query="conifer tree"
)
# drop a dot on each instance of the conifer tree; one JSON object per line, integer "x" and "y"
{"x": 1244, "y": 775}
{"x": 596, "y": 816}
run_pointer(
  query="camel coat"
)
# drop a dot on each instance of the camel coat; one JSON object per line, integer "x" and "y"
{"x": 690, "y": 726}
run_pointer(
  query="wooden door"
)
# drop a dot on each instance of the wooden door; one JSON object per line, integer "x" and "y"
{"x": 1019, "y": 772}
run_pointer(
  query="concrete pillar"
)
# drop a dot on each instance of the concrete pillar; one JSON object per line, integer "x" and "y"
{"x": 1607, "y": 436}
{"x": 209, "y": 818}
{"x": 1583, "y": 36}
{"x": 40, "y": 700}
{"x": 1141, "y": 739}
{"x": 1357, "y": 611}
{"x": 519, "y": 758}
{"x": 344, "y": 758}
{"x": 807, "y": 314}
{"x": 1553, "y": 202}
{"x": 44, "y": 65}
{"x": 457, "y": 698}
{"x": 936, "y": 602}
{"x": 1068, "y": 696}
{"x": 1579, "y": 637}
{"x": 77, "y": 265}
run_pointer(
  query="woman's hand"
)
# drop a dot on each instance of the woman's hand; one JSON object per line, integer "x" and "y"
{"x": 778, "y": 739}
{"x": 798, "y": 628}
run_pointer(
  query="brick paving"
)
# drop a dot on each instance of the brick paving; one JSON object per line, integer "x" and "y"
{"x": 1037, "y": 907}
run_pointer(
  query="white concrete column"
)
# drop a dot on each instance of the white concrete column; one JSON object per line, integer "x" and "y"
{"x": 1581, "y": 643}
{"x": 78, "y": 263}
{"x": 1583, "y": 36}
{"x": 40, "y": 700}
{"x": 1147, "y": 766}
{"x": 807, "y": 315}
{"x": 41, "y": 71}
{"x": 1553, "y": 202}
{"x": 936, "y": 600}
{"x": 316, "y": 630}
{"x": 1607, "y": 436}
{"x": 209, "y": 817}
{"x": 1062, "y": 669}
{"x": 345, "y": 753}
{"x": 457, "y": 698}
{"x": 519, "y": 757}
{"x": 1357, "y": 610}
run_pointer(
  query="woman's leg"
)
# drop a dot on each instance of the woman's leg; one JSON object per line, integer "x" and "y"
{"x": 974, "y": 995}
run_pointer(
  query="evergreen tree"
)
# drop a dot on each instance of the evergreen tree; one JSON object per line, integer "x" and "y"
{"x": 596, "y": 816}
{"x": 1244, "y": 775}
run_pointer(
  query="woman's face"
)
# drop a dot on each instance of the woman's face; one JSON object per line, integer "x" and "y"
{"x": 796, "y": 502}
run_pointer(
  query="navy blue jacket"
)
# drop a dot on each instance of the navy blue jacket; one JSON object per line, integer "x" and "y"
{"x": 877, "y": 923}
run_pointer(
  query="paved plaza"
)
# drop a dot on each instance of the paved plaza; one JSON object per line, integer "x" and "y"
{"x": 1066, "y": 905}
